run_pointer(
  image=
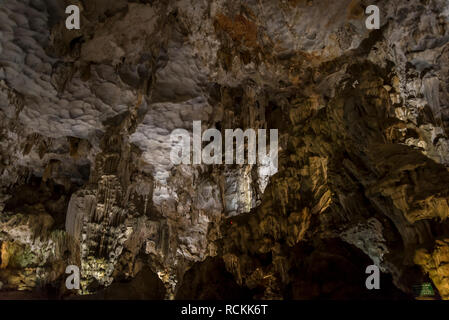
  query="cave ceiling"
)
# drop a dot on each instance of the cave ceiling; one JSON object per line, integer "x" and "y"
{"x": 86, "y": 178}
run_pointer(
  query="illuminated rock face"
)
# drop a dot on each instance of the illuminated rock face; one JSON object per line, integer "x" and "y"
{"x": 85, "y": 171}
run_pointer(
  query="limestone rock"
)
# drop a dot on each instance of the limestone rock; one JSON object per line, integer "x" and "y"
{"x": 85, "y": 171}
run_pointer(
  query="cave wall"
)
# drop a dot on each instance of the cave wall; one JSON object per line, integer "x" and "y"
{"x": 85, "y": 123}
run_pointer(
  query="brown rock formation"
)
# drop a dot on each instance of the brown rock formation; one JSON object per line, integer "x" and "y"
{"x": 86, "y": 177}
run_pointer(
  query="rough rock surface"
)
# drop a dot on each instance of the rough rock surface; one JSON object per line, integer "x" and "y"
{"x": 86, "y": 176}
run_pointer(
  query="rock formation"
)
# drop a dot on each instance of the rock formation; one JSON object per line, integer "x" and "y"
{"x": 85, "y": 171}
